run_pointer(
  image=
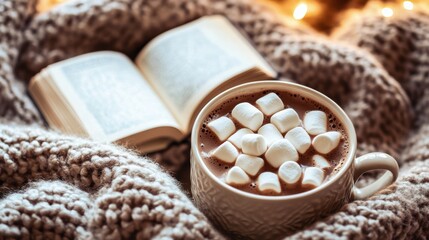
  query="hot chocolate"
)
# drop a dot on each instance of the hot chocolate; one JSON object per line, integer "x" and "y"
{"x": 273, "y": 143}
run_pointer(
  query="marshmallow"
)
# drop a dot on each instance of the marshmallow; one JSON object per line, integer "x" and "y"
{"x": 313, "y": 177}
{"x": 270, "y": 133}
{"x": 315, "y": 122}
{"x": 320, "y": 162}
{"x": 326, "y": 142}
{"x": 236, "y": 176}
{"x": 268, "y": 182}
{"x": 248, "y": 115}
{"x": 226, "y": 152}
{"x": 285, "y": 119}
{"x": 299, "y": 139}
{"x": 250, "y": 164}
{"x": 281, "y": 151}
{"x": 290, "y": 173}
{"x": 237, "y": 136}
{"x": 270, "y": 103}
{"x": 253, "y": 144}
{"x": 223, "y": 127}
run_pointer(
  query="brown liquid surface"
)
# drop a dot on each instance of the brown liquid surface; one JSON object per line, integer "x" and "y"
{"x": 208, "y": 141}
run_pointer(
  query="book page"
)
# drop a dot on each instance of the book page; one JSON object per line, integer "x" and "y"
{"x": 109, "y": 95}
{"x": 185, "y": 64}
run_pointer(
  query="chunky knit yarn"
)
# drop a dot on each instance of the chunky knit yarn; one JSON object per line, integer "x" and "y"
{"x": 59, "y": 186}
{"x": 104, "y": 192}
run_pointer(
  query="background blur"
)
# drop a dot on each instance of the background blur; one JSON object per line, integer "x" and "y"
{"x": 322, "y": 15}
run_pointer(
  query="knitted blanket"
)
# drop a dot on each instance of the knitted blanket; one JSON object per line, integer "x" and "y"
{"x": 56, "y": 186}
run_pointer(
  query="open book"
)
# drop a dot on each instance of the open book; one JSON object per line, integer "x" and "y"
{"x": 146, "y": 105}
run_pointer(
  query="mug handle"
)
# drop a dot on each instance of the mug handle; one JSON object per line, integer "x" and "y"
{"x": 374, "y": 161}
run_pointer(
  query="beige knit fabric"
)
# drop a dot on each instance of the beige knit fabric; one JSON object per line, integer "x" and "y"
{"x": 58, "y": 186}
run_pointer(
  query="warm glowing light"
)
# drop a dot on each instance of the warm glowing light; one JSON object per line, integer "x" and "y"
{"x": 300, "y": 11}
{"x": 408, "y": 5}
{"x": 45, "y": 5}
{"x": 387, "y": 12}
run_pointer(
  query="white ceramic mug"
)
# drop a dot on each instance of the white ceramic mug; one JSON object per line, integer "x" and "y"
{"x": 242, "y": 214}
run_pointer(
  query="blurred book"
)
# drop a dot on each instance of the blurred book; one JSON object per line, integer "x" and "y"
{"x": 155, "y": 100}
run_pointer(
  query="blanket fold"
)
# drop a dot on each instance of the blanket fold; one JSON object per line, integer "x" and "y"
{"x": 104, "y": 193}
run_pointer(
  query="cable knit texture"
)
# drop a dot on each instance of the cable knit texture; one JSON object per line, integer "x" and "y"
{"x": 56, "y": 186}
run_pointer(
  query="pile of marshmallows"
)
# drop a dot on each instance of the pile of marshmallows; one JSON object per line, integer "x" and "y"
{"x": 279, "y": 152}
